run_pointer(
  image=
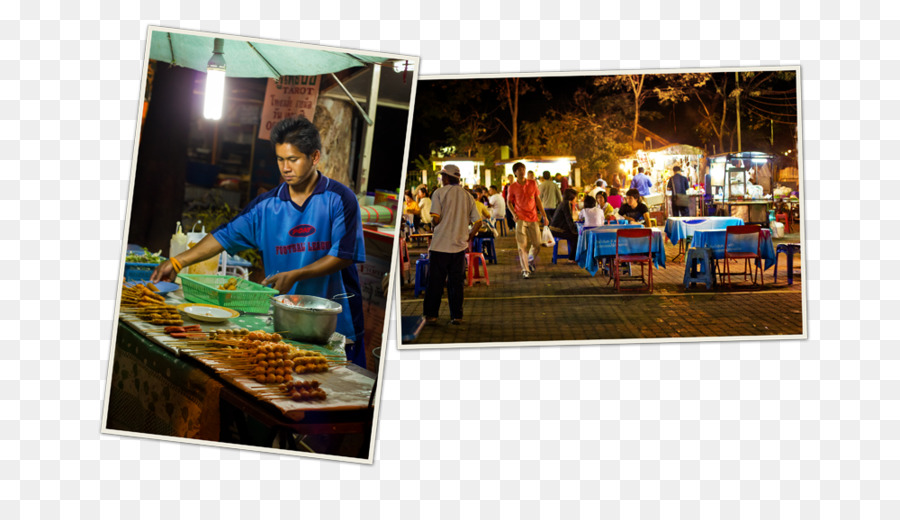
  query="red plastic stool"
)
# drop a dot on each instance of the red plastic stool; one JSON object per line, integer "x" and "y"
{"x": 785, "y": 219}
{"x": 472, "y": 261}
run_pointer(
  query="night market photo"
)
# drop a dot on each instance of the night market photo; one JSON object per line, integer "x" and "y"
{"x": 258, "y": 244}
{"x": 605, "y": 207}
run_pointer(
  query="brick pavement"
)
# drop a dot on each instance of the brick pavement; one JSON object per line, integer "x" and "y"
{"x": 564, "y": 302}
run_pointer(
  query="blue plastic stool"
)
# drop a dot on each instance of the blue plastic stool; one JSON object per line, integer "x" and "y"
{"x": 790, "y": 250}
{"x": 486, "y": 247}
{"x": 421, "y": 275}
{"x": 699, "y": 267}
{"x": 556, "y": 247}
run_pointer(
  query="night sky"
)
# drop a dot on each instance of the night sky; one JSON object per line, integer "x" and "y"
{"x": 676, "y": 123}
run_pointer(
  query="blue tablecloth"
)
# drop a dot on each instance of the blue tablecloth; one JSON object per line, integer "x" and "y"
{"x": 619, "y": 224}
{"x": 678, "y": 228}
{"x": 600, "y": 242}
{"x": 716, "y": 241}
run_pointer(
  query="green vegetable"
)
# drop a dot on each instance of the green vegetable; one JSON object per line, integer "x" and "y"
{"x": 145, "y": 258}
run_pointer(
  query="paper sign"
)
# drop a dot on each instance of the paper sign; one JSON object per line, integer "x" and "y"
{"x": 294, "y": 95}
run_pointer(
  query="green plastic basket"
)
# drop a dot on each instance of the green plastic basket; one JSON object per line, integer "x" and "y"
{"x": 248, "y": 297}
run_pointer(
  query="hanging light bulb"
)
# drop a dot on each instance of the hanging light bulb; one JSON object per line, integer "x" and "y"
{"x": 215, "y": 82}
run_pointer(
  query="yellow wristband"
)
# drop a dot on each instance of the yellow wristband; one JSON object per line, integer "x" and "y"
{"x": 176, "y": 264}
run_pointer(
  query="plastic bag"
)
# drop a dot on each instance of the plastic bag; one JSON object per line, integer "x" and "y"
{"x": 547, "y": 239}
{"x": 208, "y": 266}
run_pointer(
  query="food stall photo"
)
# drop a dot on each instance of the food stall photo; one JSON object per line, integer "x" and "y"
{"x": 216, "y": 354}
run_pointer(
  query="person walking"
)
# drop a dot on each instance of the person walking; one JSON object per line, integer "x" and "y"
{"x": 452, "y": 210}
{"x": 551, "y": 196}
{"x": 525, "y": 204}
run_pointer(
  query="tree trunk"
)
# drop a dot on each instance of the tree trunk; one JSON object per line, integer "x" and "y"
{"x": 514, "y": 104}
{"x": 158, "y": 198}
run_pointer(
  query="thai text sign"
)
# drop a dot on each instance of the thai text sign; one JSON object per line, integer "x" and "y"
{"x": 294, "y": 95}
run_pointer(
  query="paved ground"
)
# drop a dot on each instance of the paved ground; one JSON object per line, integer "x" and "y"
{"x": 563, "y": 302}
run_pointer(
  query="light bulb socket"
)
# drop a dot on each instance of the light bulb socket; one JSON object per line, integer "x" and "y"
{"x": 217, "y": 61}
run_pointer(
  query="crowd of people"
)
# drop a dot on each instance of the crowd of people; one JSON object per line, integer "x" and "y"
{"x": 456, "y": 214}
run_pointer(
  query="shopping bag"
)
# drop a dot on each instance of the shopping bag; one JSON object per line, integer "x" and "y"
{"x": 547, "y": 239}
{"x": 493, "y": 227}
{"x": 208, "y": 266}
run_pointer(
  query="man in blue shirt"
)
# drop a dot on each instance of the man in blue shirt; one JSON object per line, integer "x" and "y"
{"x": 308, "y": 230}
{"x": 641, "y": 182}
{"x": 679, "y": 185}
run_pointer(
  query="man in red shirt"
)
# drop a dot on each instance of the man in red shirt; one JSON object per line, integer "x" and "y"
{"x": 524, "y": 201}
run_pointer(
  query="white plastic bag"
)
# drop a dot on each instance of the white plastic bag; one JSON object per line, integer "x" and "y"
{"x": 547, "y": 239}
{"x": 208, "y": 266}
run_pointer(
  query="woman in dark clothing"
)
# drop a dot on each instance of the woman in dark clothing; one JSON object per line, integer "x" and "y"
{"x": 563, "y": 225}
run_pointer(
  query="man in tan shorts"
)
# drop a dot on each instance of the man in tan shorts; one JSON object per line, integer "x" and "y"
{"x": 525, "y": 203}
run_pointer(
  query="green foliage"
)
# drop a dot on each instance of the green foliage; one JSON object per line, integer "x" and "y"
{"x": 594, "y": 129}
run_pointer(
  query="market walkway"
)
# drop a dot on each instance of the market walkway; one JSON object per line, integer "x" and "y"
{"x": 564, "y": 302}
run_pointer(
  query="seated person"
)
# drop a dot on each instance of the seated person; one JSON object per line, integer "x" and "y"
{"x": 424, "y": 203}
{"x": 592, "y": 215}
{"x": 608, "y": 210}
{"x": 634, "y": 210}
{"x": 614, "y": 199}
{"x": 485, "y": 214}
{"x": 562, "y": 225}
{"x": 411, "y": 209}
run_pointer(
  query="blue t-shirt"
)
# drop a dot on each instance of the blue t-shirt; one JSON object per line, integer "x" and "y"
{"x": 291, "y": 236}
{"x": 642, "y": 183}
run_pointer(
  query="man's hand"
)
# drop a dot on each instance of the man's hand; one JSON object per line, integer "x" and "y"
{"x": 282, "y": 282}
{"x": 164, "y": 272}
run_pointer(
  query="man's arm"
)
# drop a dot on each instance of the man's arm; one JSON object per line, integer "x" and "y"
{"x": 540, "y": 208}
{"x": 322, "y": 267}
{"x": 208, "y": 247}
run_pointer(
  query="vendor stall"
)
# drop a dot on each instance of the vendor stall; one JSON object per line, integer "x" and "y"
{"x": 202, "y": 385}
{"x": 539, "y": 164}
{"x": 738, "y": 184}
{"x": 658, "y": 164}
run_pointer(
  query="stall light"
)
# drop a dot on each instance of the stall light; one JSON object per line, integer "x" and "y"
{"x": 402, "y": 66}
{"x": 759, "y": 161}
{"x": 215, "y": 82}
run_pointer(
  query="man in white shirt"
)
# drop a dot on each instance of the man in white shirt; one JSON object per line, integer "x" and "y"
{"x": 452, "y": 209}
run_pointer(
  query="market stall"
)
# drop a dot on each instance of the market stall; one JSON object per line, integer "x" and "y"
{"x": 740, "y": 185}
{"x": 539, "y": 164}
{"x": 314, "y": 293}
{"x": 196, "y": 384}
{"x": 658, "y": 164}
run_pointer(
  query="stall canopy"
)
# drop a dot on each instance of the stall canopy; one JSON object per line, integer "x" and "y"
{"x": 252, "y": 59}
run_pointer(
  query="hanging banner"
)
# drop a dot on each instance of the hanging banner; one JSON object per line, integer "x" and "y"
{"x": 295, "y": 95}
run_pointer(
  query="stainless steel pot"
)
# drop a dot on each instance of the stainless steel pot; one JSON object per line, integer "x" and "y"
{"x": 306, "y": 318}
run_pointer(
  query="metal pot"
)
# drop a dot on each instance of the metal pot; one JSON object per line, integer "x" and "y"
{"x": 306, "y": 318}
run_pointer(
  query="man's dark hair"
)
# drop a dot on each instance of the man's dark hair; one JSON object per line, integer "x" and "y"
{"x": 299, "y": 132}
{"x": 547, "y": 175}
{"x": 641, "y": 169}
{"x": 589, "y": 202}
{"x": 633, "y": 192}
{"x": 517, "y": 166}
{"x": 449, "y": 179}
{"x": 570, "y": 194}
{"x": 494, "y": 187}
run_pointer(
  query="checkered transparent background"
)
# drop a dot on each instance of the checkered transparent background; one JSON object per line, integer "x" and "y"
{"x": 794, "y": 429}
